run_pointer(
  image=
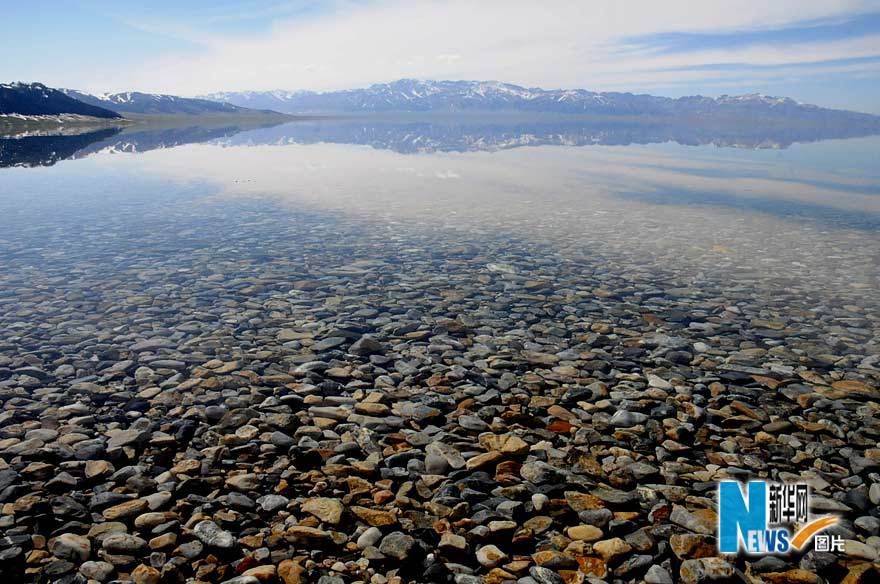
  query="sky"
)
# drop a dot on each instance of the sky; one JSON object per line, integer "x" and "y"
{"x": 825, "y": 52}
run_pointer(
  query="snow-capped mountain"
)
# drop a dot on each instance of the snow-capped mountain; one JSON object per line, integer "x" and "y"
{"x": 418, "y": 96}
{"x": 273, "y": 100}
{"x": 35, "y": 99}
{"x": 133, "y": 102}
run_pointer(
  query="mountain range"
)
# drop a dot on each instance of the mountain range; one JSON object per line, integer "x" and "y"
{"x": 19, "y": 100}
{"x": 409, "y": 95}
{"x": 35, "y": 99}
{"x": 134, "y": 102}
{"x": 26, "y": 102}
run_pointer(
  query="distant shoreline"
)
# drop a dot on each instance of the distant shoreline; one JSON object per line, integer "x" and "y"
{"x": 11, "y": 124}
{"x": 207, "y": 117}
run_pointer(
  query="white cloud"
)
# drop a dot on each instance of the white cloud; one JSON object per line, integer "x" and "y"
{"x": 564, "y": 43}
{"x": 765, "y": 60}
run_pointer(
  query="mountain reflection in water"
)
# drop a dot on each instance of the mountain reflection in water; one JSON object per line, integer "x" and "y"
{"x": 806, "y": 212}
{"x": 46, "y": 150}
{"x": 467, "y": 133}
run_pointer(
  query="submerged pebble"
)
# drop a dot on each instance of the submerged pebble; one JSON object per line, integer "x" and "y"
{"x": 248, "y": 396}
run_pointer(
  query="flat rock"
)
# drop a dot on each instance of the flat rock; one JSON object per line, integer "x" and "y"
{"x": 326, "y": 509}
{"x": 211, "y": 535}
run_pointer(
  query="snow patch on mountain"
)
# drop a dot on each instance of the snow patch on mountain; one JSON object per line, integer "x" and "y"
{"x": 134, "y": 102}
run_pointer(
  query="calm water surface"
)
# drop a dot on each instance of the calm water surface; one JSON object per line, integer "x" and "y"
{"x": 789, "y": 229}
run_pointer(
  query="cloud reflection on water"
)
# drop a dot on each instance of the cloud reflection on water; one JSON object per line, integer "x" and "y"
{"x": 789, "y": 213}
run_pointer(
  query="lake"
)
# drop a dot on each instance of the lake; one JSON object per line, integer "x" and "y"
{"x": 631, "y": 305}
{"x": 777, "y": 218}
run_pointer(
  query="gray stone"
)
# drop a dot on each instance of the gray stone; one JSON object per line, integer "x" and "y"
{"x": 210, "y": 534}
{"x": 70, "y": 546}
{"x": 369, "y": 537}
{"x": 100, "y": 571}
{"x": 397, "y": 545}
{"x": 626, "y": 419}
{"x": 657, "y": 575}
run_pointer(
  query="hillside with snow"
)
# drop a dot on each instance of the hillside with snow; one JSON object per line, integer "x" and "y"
{"x": 35, "y": 100}
{"x": 409, "y": 95}
{"x": 133, "y": 102}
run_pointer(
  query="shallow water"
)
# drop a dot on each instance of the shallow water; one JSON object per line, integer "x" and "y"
{"x": 432, "y": 326}
{"x": 799, "y": 222}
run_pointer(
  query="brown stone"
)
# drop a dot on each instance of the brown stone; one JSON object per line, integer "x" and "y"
{"x": 301, "y": 533}
{"x": 507, "y": 470}
{"x": 126, "y": 509}
{"x": 261, "y": 573}
{"x": 326, "y": 509}
{"x": 186, "y": 466}
{"x": 560, "y": 427}
{"x": 498, "y": 576}
{"x": 163, "y": 541}
{"x": 484, "y": 459}
{"x": 374, "y": 517}
{"x": 612, "y": 548}
{"x": 583, "y": 501}
{"x": 689, "y": 545}
{"x": 862, "y": 573}
{"x": 291, "y": 572}
{"x": 593, "y": 566}
{"x": 505, "y": 443}
{"x": 584, "y": 532}
{"x": 796, "y": 576}
{"x": 554, "y": 560}
{"x": 150, "y": 520}
{"x": 97, "y": 468}
{"x": 145, "y": 575}
{"x": 572, "y": 576}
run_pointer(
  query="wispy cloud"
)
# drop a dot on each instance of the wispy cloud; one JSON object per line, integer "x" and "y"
{"x": 812, "y": 31}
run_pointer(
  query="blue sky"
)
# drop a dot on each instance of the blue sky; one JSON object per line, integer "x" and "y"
{"x": 822, "y": 51}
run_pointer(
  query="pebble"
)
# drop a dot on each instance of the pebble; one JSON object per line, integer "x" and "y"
{"x": 611, "y": 549}
{"x": 657, "y": 575}
{"x": 325, "y": 509}
{"x": 584, "y": 532}
{"x": 874, "y": 493}
{"x": 70, "y": 546}
{"x": 705, "y": 570}
{"x": 100, "y": 571}
{"x": 623, "y": 418}
{"x": 860, "y": 551}
{"x": 397, "y": 545}
{"x": 125, "y": 510}
{"x": 145, "y": 575}
{"x": 370, "y": 537}
{"x": 123, "y": 543}
{"x": 271, "y": 503}
{"x": 210, "y": 534}
{"x": 490, "y": 556}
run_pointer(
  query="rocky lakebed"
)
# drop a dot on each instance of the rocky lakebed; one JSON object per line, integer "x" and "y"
{"x": 245, "y": 396}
